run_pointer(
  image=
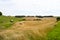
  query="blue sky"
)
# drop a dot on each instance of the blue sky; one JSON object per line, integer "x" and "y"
{"x": 30, "y": 7}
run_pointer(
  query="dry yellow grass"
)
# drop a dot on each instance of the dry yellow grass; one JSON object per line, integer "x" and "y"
{"x": 22, "y": 30}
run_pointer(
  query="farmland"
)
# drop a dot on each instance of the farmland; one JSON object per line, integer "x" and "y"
{"x": 45, "y": 29}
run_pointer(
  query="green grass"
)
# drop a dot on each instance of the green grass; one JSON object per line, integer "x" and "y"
{"x": 55, "y": 33}
{"x": 5, "y": 21}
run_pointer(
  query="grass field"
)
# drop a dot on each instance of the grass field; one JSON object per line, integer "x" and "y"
{"x": 5, "y": 21}
{"x": 55, "y": 33}
{"x": 29, "y": 30}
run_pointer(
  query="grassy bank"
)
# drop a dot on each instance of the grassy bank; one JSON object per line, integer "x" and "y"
{"x": 5, "y": 21}
{"x": 55, "y": 33}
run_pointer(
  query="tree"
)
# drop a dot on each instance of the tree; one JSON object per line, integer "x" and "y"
{"x": 0, "y": 13}
{"x": 20, "y": 16}
{"x": 58, "y": 18}
{"x": 39, "y": 16}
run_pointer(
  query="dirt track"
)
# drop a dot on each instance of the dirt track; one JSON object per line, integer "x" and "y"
{"x": 38, "y": 27}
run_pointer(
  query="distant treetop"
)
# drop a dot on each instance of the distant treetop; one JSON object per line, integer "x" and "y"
{"x": 0, "y": 13}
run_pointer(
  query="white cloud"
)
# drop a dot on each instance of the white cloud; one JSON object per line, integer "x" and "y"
{"x": 30, "y": 7}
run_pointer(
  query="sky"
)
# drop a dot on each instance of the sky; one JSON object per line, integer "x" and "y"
{"x": 30, "y": 7}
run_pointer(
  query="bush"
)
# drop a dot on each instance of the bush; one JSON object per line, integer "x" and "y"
{"x": 39, "y": 16}
{"x": 58, "y": 18}
{"x": 48, "y": 16}
{"x": 0, "y": 13}
{"x": 19, "y": 16}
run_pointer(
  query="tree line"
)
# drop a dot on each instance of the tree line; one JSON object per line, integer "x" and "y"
{"x": 58, "y": 18}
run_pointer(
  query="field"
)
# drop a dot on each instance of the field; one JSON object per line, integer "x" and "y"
{"x": 55, "y": 33}
{"x": 47, "y": 29}
{"x": 5, "y": 21}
